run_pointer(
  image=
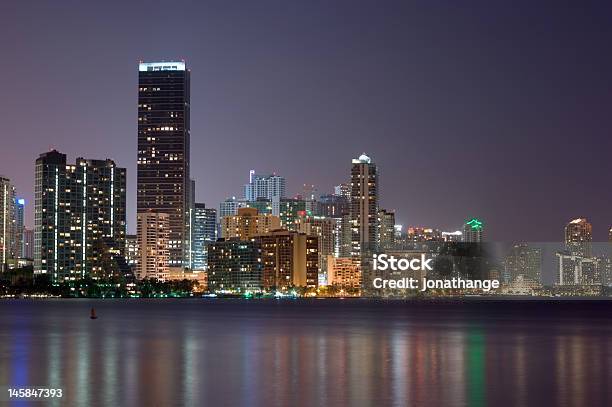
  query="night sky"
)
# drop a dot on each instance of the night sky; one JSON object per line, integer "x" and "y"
{"x": 500, "y": 110}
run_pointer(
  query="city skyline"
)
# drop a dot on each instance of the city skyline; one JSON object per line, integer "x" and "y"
{"x": 303, "y": 112}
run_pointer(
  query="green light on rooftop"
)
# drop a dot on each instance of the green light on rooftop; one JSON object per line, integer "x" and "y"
{"x": 475, "y": 224}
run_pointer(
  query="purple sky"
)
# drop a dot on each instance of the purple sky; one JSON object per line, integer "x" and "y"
{"x": 501, "y": 111}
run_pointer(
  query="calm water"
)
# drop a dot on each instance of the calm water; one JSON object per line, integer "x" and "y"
{"x": 310, "y": 353}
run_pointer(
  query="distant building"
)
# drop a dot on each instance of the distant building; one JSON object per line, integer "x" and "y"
{"x": 19, "y": 228}
{"x": 579, "y": 237}
{"x": 247, "y": 224}
{"x": 153, "y": 230}
{"x": 290, "y": 211}
{"x": 7, "y": 222}
{"x": 80, "y": 223}
{"x": 28, "y": 244}
{"x": 324, "y": 230}
{"x": 364, "y": 205}
{"x": 577, "y": 270}
{"x": 344, "y": 273}
{"x": 343, "y": 190}
{"x": 230, "y": 207}
{"x": 456, "y": 236}
{"x": 204, "y": 233}
{"x": 332, "y": 206}
{"x": 290, "y": 259}
{"x": 423, "y": 234}
{"x": 386, "y": 228}
{"x": 132, "y": 251}
{"x": 473, "y": 231}
{"x": 523, "y": 260}
{"x": 264, "y": 186}
{"x": 235, "y": 266}
{"x": 263, "y": 205}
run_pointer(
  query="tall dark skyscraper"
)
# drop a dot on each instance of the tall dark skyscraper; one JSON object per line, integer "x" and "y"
{"x": 79, "y": 218}
{"x": 364, "y": 205}
{"x": 163, "y": 151}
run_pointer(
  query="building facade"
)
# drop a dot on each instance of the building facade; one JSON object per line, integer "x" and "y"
{"x": 385, "y": 228}
{"x": 247, "y": 224}
{"x": 80, "y": 218}
{"x": 290, "y": 259}
{"x": 204, "y": 233}
{"x": 579, "y": 237}
{"x": 473, "y": 231}
{"x": 235, "y": 266}
{"x": 7, "y": 223}
{"x": 163, "y": 151}
{"x": 153, "y": 233}
{"x": 525, "y": 261}
{"x": 364, "y": 205}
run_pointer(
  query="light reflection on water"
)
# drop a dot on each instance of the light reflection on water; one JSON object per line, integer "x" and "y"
{"x": 192, "y": 352}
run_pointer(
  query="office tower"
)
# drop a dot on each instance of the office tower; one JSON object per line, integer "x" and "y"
{"x": 574, "y": 269}
{"x": 153, "y": 231}
{"x": 578, "y": 237}
{"x": 163, "y": 150}
{"x": 262, "y": 205}
{"x": 235, "y": 266}
{"x": 386, "y": 228}
{"x": 364, "y": 205}
{"x": 343, "y": 190}
{"x": 132, "y": 251}
{"x": 264, "y": 186}
{"x": 344, "y": 273}
{"x": 79, "y": 218}
{"x": 247, "y": 224}
{"x": 423, "y": 234}
{"x": 290, "y": 210}
{"x": 473, "y": 231}
{"x": 323, "y": 229}
{"x": 204, "y": 233}
{"x": 7, "y": 222}
{"x": 332, "y": 206}
{"x": 290, "y": 259}
{"x": 456, "y": 236}
{"x": 344, "y": 236}
{"x": 28, "y": 244}
{"x": 19, "y": 227}
{"x": 523, "y": 260}
{"x": 230, "y": 207}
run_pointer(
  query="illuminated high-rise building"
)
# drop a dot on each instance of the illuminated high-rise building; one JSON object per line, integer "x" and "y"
{"x": 264, "y": 186}
{"x": 28, "y": 244}
{"x": 204, "y": 233}
{"x": 80, "y": 223}
{"x": 153, "y": 231}
{"x": 473, "y": 231}
{"x": 19, "y": 227}
{"x": 132, "y": 251}
{"x": 523, "y": 260}
{"x": 230, "y": 206}
{"x": 290, "y": 211}
{"x": 290, "y": 259}
{"x": 364, "y": 205}
{"x": 164, "y": 185}
{"x": 247, "y": 224}
{"x": 579, "y": 237}
{"x": 324, "y": 230}
{"x": 7, "y": 222}
{"x": 386, "y": 228}
{"x": 235, "y": 266}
